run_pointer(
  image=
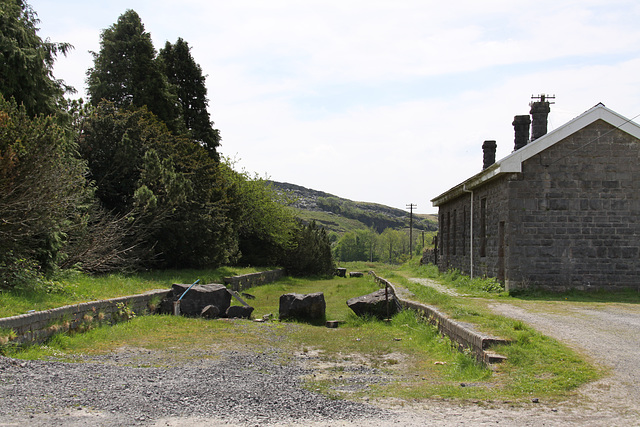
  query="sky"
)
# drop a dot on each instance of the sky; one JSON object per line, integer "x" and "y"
{"x": 377, "y": 101}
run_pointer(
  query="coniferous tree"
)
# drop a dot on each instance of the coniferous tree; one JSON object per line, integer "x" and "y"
{"x": 186, "y": 77}
{"x": 310, "y": 253}
{"x": 126, "y": 71}
{"x": 169, "y": 187}
{"x": 26, "y": 65}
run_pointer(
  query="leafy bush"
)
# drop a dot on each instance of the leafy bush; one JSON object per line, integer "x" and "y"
{"x": 25, "y": 275}
{"x": 19, "y": 273}
{"x": 42, "y": 187}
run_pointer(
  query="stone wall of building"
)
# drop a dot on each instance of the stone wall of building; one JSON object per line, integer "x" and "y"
{"x": 575, "y": 213}
{"x": 570, "y": 219}
{"x": 489, "y": 210}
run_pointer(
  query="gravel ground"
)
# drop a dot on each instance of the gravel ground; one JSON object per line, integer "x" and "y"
{"x": 243, "y": 388}
{"x": 246, "y": 389}
{"x": 437, "y": 286}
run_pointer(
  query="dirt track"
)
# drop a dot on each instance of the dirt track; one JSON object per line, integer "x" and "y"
{"x": 608, "y": 334}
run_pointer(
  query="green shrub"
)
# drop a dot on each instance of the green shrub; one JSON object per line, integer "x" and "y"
{"x": 19, "y": 273}
{"x": 310, "y": 254}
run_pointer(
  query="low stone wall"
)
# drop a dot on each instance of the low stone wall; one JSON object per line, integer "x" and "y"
{"x": 246, "y": 281}
{"x": 37, "y": 326}
{"x": 461, "y": 333}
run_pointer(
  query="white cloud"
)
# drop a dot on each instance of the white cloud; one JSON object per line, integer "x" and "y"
{"x": 380, "y": 101}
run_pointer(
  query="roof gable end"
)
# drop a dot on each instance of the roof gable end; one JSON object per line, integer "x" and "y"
{"x": 513, "y": 162}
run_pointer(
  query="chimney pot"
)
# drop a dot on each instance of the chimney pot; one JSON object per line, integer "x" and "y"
{"x": 489, "y": 153}
{"x": 521, "y": 127}
{"x": 539, "y": 113}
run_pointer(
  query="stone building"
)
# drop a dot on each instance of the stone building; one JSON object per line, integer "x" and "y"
{"x": 562, "y": 211}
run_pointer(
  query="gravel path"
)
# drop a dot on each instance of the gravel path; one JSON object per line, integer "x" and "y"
{"x": 608, "y": 334}
{"x": 243, "y": 388}
{"x": 437, "y": 286}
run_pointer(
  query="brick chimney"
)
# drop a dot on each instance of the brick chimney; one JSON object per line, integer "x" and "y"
{"x": 521, "y": 126}
{"x": 489, "y": 153}
{"x": 539, "y": 113}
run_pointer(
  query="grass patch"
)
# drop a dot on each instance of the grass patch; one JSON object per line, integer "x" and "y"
{"x": 175, "y": 339}
{"x": 421, "y": 363}
{"x": 490, "y": 288}
{"x": 539, "y": 365}
{"x": 336, "y": 292}
{"x": 536, "y": 365}
{"x": 627, "y": 296}
{"x": 478, "y": 286}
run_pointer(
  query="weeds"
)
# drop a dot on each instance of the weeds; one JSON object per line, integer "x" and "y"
{"x": 464, "y": 283}
{"x": 7, "y": 341}
{"x": 124, "y": 313}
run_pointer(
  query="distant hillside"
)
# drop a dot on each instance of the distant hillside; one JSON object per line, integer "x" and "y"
{"x": 341, "y": 215}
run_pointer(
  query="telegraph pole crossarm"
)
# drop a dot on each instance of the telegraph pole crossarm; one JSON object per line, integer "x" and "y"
{"x": 543, "y": 98}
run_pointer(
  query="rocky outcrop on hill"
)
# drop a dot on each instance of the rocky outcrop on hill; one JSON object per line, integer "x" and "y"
{"x": 373, "y": 215}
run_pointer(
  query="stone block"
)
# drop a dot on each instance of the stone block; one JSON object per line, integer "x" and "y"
{"x": 196, "y": 298}
{"x": 239, "y": 312}
{"x": 379, "y": 304}
{"x": 305, "y": 307}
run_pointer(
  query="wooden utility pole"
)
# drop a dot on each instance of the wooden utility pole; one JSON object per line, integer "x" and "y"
{"x": 410, "y": 207}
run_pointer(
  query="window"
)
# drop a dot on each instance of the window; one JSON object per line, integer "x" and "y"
{"x": 448, "y": 233}
{"x": 464, "y": 229}
{"x": 454, "y": 234}
{"x": 483, "y": 227}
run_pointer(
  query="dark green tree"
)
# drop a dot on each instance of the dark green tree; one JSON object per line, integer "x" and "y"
{"x": 203, "y": 230}
{"x": 169, "y": 188}
{"x": 113, "y": 143}
{"x": 188, "y": 82}
{"x": 310, "y": 253}
{"x": 42, "y": 188}
{"x": 126, "y": 71}
{"x": 26, "y": 61}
